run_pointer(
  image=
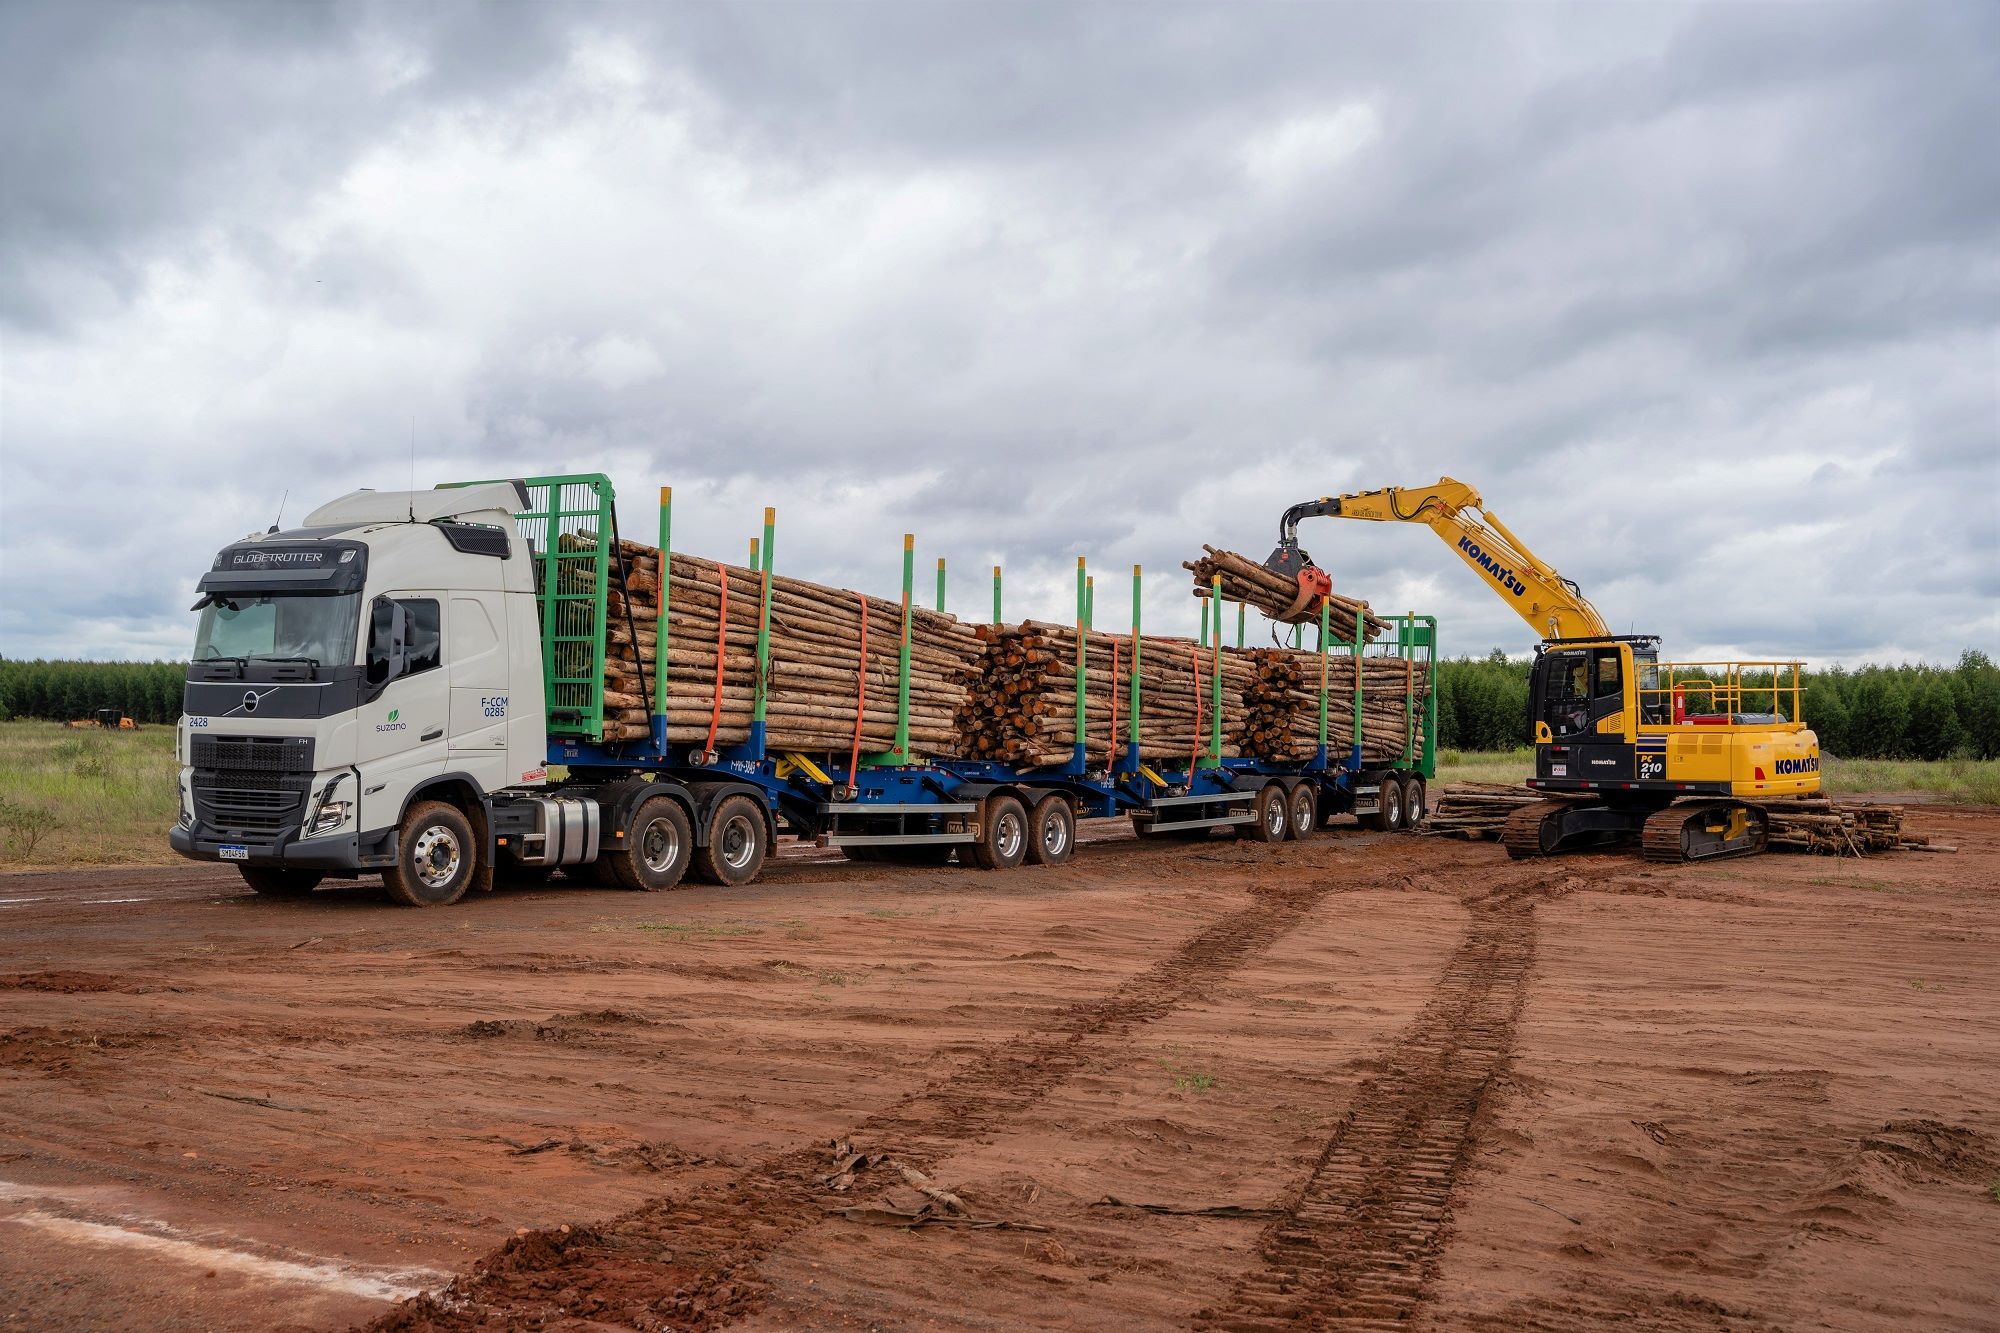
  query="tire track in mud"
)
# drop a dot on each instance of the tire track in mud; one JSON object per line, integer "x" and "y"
{"x": 1357, "y": 1247}
{"x": 692, "y": 1262}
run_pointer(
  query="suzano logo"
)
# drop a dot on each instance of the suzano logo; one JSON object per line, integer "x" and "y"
{"x": 1810, "y": 764}
{"x": 1501, "y": 574}
{"x": 392, "y": 724}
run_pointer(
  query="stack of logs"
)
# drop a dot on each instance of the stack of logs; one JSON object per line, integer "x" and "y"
{"x": 1244, "y": 580}
{"x": 1020, "y": 706}
{"x": 1816, "y": 824}
{"x": 815, "y": 686}
{"x": 1281, "y": 706}
{"x": 1476, "y": 811}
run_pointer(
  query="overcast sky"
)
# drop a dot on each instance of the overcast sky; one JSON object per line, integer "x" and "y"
{"x": 1703, "y": 299}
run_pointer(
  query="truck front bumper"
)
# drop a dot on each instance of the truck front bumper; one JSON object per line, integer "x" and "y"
{"x": 353, "y": 852}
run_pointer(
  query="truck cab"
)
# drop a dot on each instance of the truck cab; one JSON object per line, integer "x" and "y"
{"x": 385, "y": 653}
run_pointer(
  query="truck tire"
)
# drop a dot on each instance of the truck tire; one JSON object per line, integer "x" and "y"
{"x": 278, "y": 882}
{"x": 1274, "y": 817}
{"x": 736, "y": 844}
{"x": 654, "y": 853}
{"x": 436, "y": 857}
{"x": 1390, "y": 799}
{"x": 1003, "y": 834}
{"x": 1051, "y": 831}
{"x": 1416, "y": 803}
{"x": 1303, "y": 808}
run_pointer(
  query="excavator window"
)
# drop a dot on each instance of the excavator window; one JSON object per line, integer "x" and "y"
{"x": 1610, "y": 674}
{"x": 1566, "y": 705}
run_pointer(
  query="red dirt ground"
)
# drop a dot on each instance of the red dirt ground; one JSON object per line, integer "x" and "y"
{"x": 1438, "y": 1088}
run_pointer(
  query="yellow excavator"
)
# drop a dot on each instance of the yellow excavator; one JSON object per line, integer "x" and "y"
{"x": 1683, "y": 755}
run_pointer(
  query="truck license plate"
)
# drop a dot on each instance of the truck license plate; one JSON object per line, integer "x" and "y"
{"x": 233, "y": 852}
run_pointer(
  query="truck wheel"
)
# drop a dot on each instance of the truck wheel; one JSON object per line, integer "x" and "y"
{"x": 1416, "y": 807}
{"x": 1390, "y": 799}
{"x": 1003, "y": 835}
{"x": 1051, "y": 831}
{"x": 435, "y": 857}
{"x": 654, "y": 853}
{"x": 1274, "y": 816}
{"x": 278, "y": 882}
{"x": 736, "y": 844}
{"x": 1303, "y": 808}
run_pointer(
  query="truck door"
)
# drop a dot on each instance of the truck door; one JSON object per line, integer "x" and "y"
{"x": 403, "y": 726}
{"x": 476, "y": 665}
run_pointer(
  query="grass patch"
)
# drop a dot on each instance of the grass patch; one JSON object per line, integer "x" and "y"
{"x": 1974, "y": 781}
{"x": 70, "y": 798}
{"x": 1188, "y": 1080}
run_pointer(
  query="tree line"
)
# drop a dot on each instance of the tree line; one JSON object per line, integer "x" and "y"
{"x": 62, "y": 691}
{"x": 1872, "y": 712}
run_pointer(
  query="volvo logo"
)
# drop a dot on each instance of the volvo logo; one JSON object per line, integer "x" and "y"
{"x": 249, "y": 701}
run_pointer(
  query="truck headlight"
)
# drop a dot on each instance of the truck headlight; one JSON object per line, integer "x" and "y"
{"x": 330, "y": 812}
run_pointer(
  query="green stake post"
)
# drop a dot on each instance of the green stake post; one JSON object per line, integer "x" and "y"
{"x": 940, "y": 599}
{"x": 996, "y": 594}
{"x": 1132, "y": 725}
{"x": 764, "y": 612}
{"x": 903, "y": 657}
{"x": 660, "y": 621}
{"x": 1215, "y": 678}
{"x": 1409, "y": 647}
{"x": 1240, "y": 608}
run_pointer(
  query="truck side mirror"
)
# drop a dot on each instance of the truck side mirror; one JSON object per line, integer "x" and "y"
{"x": 388, "y": 641}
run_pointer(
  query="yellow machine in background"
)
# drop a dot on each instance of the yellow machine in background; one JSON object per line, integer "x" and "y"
{"x": 109, "y": 719}
{"x": 1680, "y": 754}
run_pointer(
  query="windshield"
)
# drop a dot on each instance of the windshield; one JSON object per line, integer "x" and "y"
{"x": 281, "y": 625}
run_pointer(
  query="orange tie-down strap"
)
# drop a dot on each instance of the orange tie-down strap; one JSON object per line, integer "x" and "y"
{"x": 860, "y": 696}
{"x": 721, "y": 646}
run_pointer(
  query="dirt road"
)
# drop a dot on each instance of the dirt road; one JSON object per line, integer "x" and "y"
{"x": 1359, "y": 1081}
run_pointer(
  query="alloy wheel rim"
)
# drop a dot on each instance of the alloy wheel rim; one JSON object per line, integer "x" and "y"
{"x": 660, "y": 845}
{"x": 436, "y": 856}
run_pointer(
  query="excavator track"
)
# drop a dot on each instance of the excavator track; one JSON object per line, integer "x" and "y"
{"x": 1522, "y": 833}
{"x": 1704, "y": 831}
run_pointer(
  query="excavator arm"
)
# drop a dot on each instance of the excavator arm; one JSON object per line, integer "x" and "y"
{"x": 1552, "y": 604}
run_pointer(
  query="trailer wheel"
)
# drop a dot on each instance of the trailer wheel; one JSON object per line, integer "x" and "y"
{"x": 656, "y": 848}
{"x": 1003, "y": 835}
{"x": 1416, "y": 806}
{"x": 1390, "y": 800}
{"x": 1303, "y": 807}
{"x": 1052, "y": 831}
{"x": 435, "y": 857}
{"x": 1274, "y": 816}
{"x": 279, "y": 882}
{"x": 735, "y": 850}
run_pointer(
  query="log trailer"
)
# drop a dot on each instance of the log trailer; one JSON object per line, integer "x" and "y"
{"x": 379, "y": 691}
{"x": 1679, "y": 755}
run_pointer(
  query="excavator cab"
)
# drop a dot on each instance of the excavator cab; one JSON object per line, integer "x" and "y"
{"x": 1582, "y": 703}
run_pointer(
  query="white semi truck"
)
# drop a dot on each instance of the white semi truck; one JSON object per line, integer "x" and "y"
{"x": 366, "y": 696}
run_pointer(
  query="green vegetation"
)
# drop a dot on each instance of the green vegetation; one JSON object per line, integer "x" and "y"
{"x": 85, "y": 797}
{"x": 63, "y": 691}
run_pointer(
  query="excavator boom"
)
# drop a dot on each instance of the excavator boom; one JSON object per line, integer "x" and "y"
{"x": 1553, "y": 605}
